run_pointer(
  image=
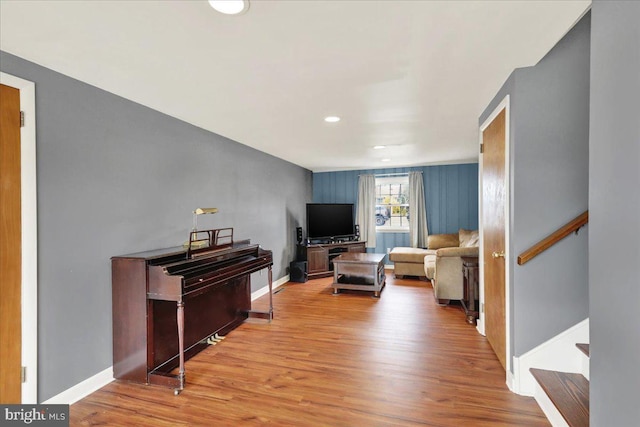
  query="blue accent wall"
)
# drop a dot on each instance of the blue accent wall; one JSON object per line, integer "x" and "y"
{"x": 451, "y": 193}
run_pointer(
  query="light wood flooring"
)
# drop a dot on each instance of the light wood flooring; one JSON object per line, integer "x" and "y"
{"x": 344, "y": 360}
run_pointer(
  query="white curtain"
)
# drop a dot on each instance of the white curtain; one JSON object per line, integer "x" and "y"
{"x": 366, "y": 209}
{"x": 417, "y": 211}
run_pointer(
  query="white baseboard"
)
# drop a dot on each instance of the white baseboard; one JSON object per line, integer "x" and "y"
{"x": 557, "y": 354}
{"x": 83, "y": 389}
{"x": 510, "y": 381}
{"x": 101, "y": 379}
{"x": 265, "y": 289}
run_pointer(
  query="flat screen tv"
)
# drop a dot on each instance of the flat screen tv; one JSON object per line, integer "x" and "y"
{"x": 329, "y": 220}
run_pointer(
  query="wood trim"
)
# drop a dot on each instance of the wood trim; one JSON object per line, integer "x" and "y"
{"x": 553, "y": 238}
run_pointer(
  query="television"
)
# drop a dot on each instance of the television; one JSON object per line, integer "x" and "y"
{"x": 328, "y": 221}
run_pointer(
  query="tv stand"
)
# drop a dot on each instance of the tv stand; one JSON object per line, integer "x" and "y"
{"x": 320, "y": 256}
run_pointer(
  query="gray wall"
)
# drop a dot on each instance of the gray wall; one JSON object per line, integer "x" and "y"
{"x": 548, "y": 157}
{"x": 115, "y": 177}
{"x": 614, "y": 213}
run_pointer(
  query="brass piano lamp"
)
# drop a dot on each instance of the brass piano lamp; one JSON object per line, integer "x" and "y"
{"x": 197, "y": 212}
{"x": 201, "y": 211}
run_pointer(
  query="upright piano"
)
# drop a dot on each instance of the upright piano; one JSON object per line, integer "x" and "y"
{"x": 168, "y": 302}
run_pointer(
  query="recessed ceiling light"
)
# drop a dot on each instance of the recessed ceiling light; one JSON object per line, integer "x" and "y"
{"x": 379, "y": 147}
{"x": 332, "y": 119}
{"x": 230, "y": 7}
{"x": 385, "y": 160}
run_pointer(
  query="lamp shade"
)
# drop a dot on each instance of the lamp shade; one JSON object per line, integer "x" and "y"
{"x": 201, "y": 211}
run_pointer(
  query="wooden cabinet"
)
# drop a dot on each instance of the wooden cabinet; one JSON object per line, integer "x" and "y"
{"x": 319, "y": 257}
{"x": 471, "y": 280}
{"x": 317, "y": 260}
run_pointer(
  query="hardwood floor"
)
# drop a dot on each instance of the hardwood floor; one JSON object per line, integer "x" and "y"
{"x": 325, "y": 360}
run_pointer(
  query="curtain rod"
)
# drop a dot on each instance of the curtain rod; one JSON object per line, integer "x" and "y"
{"x": 382, "y": 175}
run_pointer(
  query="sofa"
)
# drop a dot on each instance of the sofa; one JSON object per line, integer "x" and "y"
{"x": 443, "y": 263}
{"x": 408, "y": 261}
{"x": 440, "y": 262}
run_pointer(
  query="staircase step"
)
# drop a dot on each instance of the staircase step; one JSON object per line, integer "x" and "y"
{"x": 584, "y": 348}
{"x": 568, "y": 392}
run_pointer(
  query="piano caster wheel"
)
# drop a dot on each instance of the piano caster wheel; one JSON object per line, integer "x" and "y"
{"x": 176, "y": 391}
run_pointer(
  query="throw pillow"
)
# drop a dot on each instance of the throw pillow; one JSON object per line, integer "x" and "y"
{"x": 468, "y": 238}
{"x": 438, "y": 241}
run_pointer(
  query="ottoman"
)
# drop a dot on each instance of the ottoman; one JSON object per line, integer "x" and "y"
{"x": 409, "y": 261}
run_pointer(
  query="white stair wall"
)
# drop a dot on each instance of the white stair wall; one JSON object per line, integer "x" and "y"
{"x": 557, "y": 354}
{"x": 584, "y": 364}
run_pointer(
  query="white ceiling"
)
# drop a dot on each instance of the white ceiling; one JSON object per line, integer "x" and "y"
{"x": 411, "y": 75}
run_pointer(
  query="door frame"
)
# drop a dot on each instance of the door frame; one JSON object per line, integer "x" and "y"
{"x": 505, "y": 104}
{"x": 29, "y": 218}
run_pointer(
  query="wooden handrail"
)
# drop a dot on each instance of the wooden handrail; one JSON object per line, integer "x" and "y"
{"x": 553, "y": 238}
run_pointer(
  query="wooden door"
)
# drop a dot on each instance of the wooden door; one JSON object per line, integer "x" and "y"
{"x": 494, "y": 199}
{"x": 10, "y": 247}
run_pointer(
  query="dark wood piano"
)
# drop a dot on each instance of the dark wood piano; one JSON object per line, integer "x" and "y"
{"x": 168, "y": 302}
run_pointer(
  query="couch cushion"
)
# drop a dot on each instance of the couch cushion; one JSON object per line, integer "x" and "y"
{"x": 430, "y": 266}
{"x": 468, "y": 238}
{"x": 437, "y": 241}
{"x": 402, "y": 254}
{"x": 457, "y": 252}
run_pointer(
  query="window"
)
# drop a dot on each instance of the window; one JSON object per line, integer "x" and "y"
{"x": 392, "y": 203}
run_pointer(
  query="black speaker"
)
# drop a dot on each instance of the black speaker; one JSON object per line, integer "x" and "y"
{"x": 298, "y": 271}
{"x": 299, "y": 234}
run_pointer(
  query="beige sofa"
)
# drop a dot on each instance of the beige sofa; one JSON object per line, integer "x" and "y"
{"x": 443, "y": 263}
{"x": 408, "y": 261}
